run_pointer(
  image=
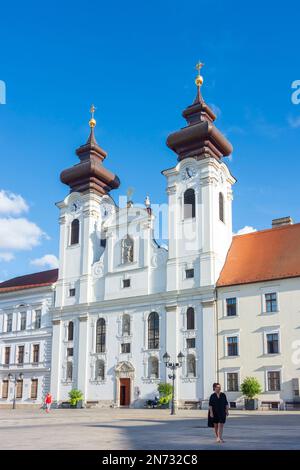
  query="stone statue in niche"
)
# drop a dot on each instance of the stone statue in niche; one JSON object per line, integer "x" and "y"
{"x": 127, "y": 250}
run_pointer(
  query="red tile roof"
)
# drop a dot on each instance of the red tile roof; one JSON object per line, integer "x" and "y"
{"x": 262, "y": 256}
{"x": 30, "y": 281}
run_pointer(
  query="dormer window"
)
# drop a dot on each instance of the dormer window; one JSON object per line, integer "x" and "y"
{"x": 127, "y": 250}
{"x": 75, "y": 232}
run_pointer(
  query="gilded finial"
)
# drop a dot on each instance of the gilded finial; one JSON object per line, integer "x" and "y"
{"x": 199, "y": 78}
{"x": 92, "y": 121}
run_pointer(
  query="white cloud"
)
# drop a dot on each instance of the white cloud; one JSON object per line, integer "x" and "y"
{"x": 246, "y": 229}
{"x": 11, "y": 203}
{"x": 294, "y": 122}
{"x": 19, "y": 234}
{"x": 216, "y": 109}
{"x": 6, "y": 256}
{"x": 46, "y": 260}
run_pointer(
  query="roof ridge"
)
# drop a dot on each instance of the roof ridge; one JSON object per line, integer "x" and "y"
{"x": 281, "y": 227}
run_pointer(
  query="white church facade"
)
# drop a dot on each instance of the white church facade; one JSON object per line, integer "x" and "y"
{"x": 119, "y": 301}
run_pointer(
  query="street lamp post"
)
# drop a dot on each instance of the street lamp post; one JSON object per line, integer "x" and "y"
{"x": 15, "y": 379}
{"x": 173, "y": 366}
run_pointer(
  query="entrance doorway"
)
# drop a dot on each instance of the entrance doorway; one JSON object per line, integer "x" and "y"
{"x": 124, "y": 392}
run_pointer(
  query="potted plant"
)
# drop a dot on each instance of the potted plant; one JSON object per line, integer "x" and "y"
{"x": 165, "y": 394}
{"x": 250, "y": 388}
{"x": 76, "y": 397}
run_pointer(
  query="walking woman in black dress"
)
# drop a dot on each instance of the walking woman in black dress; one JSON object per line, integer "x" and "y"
{"x": 218, "y": 410}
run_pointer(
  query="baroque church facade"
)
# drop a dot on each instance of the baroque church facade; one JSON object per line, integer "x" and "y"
{"x": 103, "y": 321}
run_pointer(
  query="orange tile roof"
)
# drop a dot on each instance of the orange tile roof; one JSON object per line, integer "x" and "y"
{"x": 29, "y": 281}
{"x": 262, "y": 256}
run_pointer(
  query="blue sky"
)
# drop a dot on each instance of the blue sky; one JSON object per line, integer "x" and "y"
{"x": 135, "y": 61}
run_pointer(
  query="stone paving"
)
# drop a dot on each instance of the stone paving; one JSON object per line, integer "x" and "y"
{"x": 112, "y": 429}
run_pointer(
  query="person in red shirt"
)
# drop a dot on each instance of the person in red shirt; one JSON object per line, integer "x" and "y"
{"x": 48, "y": 401}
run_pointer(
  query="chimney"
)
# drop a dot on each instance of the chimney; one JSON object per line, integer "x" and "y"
{"x": 282, "y": 221}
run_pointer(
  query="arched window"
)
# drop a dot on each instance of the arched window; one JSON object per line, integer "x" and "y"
{"x": 221, "y": 207}
{"x": 100, "y": 335}
{"x": 75, "y": 232}
{"x": 70, "y": 331}
{"x": 153, "y": 331}
{"x": 153, "y": 367}
{"x": 69, "y": 371}
{"x": 191, "y": 365}
{"x": 99, "y": 370}
{"x": 126, "y": 324}
{"x": 127, "y": 250}
{"x": 189, "y": 204}
{"x": 190, "y": 319}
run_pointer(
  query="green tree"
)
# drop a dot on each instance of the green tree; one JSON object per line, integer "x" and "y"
{"x": 75, "y": 396}
{"x": 165, "y": 393}
{"x": 250, "y": 387}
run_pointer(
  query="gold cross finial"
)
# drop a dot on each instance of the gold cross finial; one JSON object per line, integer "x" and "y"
{"x": 199, "y": 78}
{"x": 92, "y": 121}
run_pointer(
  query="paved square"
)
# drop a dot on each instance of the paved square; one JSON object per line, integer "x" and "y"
{"x": 144, "y": 429}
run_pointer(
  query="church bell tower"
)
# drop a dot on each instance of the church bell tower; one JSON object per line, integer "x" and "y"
{"x": 200, "y": 198}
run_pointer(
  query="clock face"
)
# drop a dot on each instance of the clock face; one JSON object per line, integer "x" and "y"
{"x": 188, "y": 172}
{"x": 76, "y": 206}
{"x": 107, "y": 209}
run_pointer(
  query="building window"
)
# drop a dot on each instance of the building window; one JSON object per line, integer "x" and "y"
{"x": 100, "y": 335}
{"x": 189, "y": 204}
{"x": 232, "y": 382}
{"x": 7, "y": 355}
{"x": 5, "y": 389}
{"x": 189, "y": 273}
{"x": 153, "y": 368}
{"x": 126, "y": 324}
{"x": 23, "y": 321}
{"x": 190, "y": 319}
{"x": 70, "y": 352}
{"x": 20, "y": 354}
{"x": 69, "y": 371}
{"x": 153, "y": 331}
{"x": 38, "y": 318}
{"x": 191, "y": 365}
{"x": 127, "y": 250}
{"x": 34, "y": 389}
{"x": 231, "y": 307}
{"x": 75, "y": 232}
{"x": 191, "y": 343}
{"x": 19, "y": 389}
{"x": 125, "y": 348}
{"x": 272, "y": 343}
{"x": 221, "y": 207}
{"x": 72, "y": 292}
{"x": 273, "y": 381}
{"x": 70, "y": 331}
{"x": 9, "y": 323}
{"x": 271, "y": 302}
{"x": 126, "y": 283}
{"x": 36, "y": 353}
{"x": 99, "y": 370}
{"x": 232, "y": 346}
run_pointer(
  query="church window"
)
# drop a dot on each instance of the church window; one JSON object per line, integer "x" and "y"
{"x": 153, "y": 331}
{"x": 221, "y": 207}
{"x": 100, "y": 335}
{"x": 189, "y": 204}
{"x": 70, "y": 331}
{"x": 75, "y": 232}
{"x": 190, "y": 319}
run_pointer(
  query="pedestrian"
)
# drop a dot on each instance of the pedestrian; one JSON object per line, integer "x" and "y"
{"x": 48, "y": 401}
{"x": 218, "y": 410}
